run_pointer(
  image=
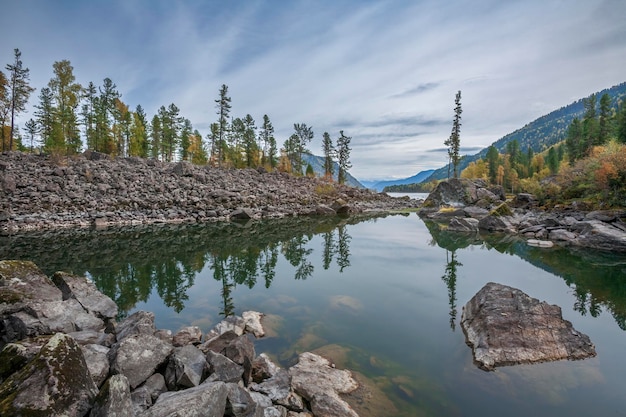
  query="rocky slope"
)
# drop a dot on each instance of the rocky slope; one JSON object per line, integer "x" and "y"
{"x": 91, "y": 189}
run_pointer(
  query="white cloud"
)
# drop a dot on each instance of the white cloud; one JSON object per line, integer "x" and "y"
{"x": 385, "y": 72}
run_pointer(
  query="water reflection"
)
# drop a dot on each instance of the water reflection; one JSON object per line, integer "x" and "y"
{"x": 449, "y": 278}
{"x": 598, "y": 279}
{"x": 128, "y": 264}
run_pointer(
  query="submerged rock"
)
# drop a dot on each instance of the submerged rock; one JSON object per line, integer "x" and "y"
{"x": 504, "y": 326}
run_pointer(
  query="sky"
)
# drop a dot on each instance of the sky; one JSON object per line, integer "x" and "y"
{"x": 384, "y": 72}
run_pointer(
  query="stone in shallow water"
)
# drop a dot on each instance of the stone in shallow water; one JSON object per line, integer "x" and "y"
{"x": 504, "y": 326}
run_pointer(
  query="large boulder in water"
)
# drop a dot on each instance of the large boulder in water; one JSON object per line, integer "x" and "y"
{"x": 504, "y": 326}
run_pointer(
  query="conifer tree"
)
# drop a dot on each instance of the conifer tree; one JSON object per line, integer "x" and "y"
{"x": 249, "y": 140}
{"x": 223, "y": 110}
{"x": 343, "y": 156}
{"x": 605, "y": 119}
{"x": 303, "y": 136}
{"x": 267, "y": 132}
{"x": 454, "y": 141}
{"x": 19, "y": 92}
{"x": 329, "y": 152}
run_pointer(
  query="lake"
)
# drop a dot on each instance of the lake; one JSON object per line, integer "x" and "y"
{"x": 382, "y": 297}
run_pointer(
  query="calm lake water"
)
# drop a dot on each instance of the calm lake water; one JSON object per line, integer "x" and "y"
{"x": 381, "y": 296}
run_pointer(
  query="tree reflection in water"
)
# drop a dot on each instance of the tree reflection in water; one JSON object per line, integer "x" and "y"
{"x": 449, "y": 278}
{"x": 128, "y": 264}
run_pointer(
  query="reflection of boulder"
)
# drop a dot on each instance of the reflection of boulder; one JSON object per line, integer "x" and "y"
{"x": 345, "y": 303}
{"x": 504, "y": 326}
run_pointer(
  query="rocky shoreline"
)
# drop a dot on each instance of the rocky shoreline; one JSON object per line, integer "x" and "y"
{"x": 62, "y": 353}
{"x": 472, "y": 206}
{"x": 41, "y": 192}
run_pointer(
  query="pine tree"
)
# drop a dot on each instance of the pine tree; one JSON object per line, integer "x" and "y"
{"x": 621, "y": 124}
{"x": 185, "y": 139}
{"x": 155, "y": 135}
{"x": 19, "y": 91}
{"x": 343, "y": 156}
{"x": 223, "y": 110}
{"x": 454, "y": 142}
{"x": 105, "y": 107}
{"x": 329, "y": 152}
{"x": 492, "y": 161}
{"x": 88, "y": 112}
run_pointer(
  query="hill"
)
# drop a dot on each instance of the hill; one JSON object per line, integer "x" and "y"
{"x": 317, "y": 162}
{"x": 541, "y": 133}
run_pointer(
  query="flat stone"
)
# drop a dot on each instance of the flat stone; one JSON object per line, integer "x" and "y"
{"x": 138, "y": 356}
{"x": 504, "y": 326}
{"x": 96, "y": 357}
{"x": 208, "y": 399}
{"x": 113, "y": 399}
{"x": 185, "y": 368}
{"x": 86, "y": 293}
{"x": 140, "y": 322}
{"x": 187, "y": 335}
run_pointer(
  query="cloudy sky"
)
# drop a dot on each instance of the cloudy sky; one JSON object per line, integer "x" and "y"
{"x": 384, "y": 72}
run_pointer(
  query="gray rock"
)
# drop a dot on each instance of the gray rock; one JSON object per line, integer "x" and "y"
{"x": 208, "y": 399}
{"x": 185, "y": 368}
{"x": 463, "y": 224}
{"x": 263, "y": 368}
{"x": 241, "y": 351}
{"x": 187, "y": 335}
{"x": 561, "y": 234}
{"x": 218, "y": 343}
{"x": 278, "y": 389}
{"x": 318, "y": 382}
{"x": 140, "y": 322}
{"x": 242, "y": 214}
{"x": 222, "y": 369}
{"x": 324, "y": 210}
{"x": 495, "y": 223}
{"x": 239, "y": 403}
{"x": 17, "y": 354}
{"x": 504, "y": 326}
{"x": 252, "y": 320}
{"x": 58, "y": 368}
{"x": 86, "y": 293}
{"x": 599, "y": 235}
{"x": 96, "y": 357}
{"x": 114, "y": 399}
{"x": 475, "y": 212}
{"x": 138, "y": 356}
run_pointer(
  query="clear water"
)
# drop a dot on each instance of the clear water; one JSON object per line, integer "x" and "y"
{"x": 382, "y": 297}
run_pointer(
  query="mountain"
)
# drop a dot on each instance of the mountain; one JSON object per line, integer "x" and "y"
{"x": 541, "y": 133}
{"x": 317, "y": 162}
{"x": 417, "y": 178}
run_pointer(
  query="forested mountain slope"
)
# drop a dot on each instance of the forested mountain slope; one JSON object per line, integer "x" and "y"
{"x": 541, "y": 133}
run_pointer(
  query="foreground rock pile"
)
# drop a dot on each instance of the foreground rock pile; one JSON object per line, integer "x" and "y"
{"x": 504, "y": 326}
{"x": 63, "y": 354}
{"x": 472, "y": 206}
{"x": 91, "y": 189}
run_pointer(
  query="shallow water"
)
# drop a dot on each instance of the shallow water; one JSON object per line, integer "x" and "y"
{"x": 382, "y": 297}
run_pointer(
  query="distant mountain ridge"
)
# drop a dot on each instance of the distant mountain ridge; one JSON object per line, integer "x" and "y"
{"x": 541, "y": 133}
{"x": 317, "y": 162}
{"x": 417, "y": 178}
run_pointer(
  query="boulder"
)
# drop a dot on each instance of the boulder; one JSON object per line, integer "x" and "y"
{"x": 324, "y": 210}
{"x": 208, "y": 399}
{"x": 218, "y": 343}
{"x": 600, "y": 235}
{"x": 55, "y": 382}
{"x": 454, "y": 192}
{"x": 15, "y": 355}
{"x": 241, "y": 351}
{"x": 96, "y": 357}
{"x": 242, "y": 214}
{"x": 220, "y": 368}
{"x": 504, "y": 326}
{"x": 140, "y": 322}
{"x": 252, "y": 320}
{"x": 318, "y": 382}
{"x": 86, "y": 293}
{"x": 239, "y": 403}
{"x": 263, "y": 368}
{"x": 463, "y": 224}
{"x": 113, "y": 399}
{"x": 185, "y": 368}
{"x": 187, "y": 335}
{"x": 138, "y": 356}
{"x": 562, "y": 235}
